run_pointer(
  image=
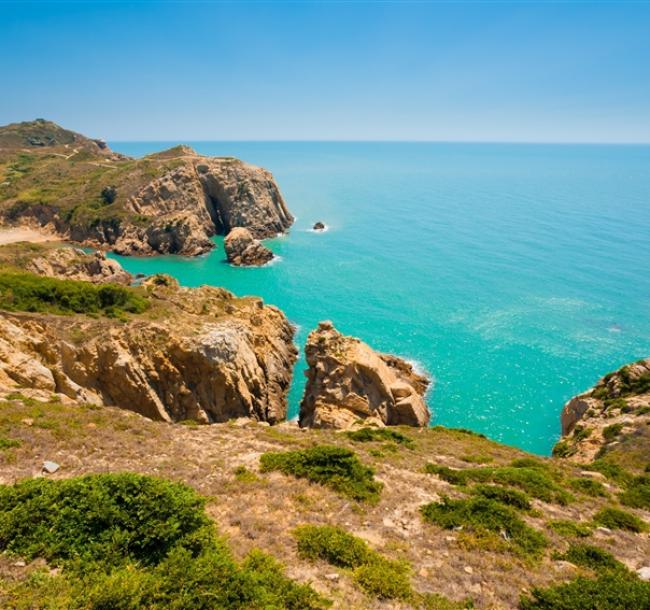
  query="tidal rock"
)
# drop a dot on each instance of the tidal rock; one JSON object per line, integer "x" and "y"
{"x": 319, "y": 226}
{"x": 242, "y": 249}
{"x": 349, "y": 382}
{"x": 201, "y": 354}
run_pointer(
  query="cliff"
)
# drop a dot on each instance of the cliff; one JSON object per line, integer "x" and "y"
{"x": 169, "y": 202}
{"x": 611, "y": 417}
{"x": 166, "y": 352}
{"x": 348, "y": 382}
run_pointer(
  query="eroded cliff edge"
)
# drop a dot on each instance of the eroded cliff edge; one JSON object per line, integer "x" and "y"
{"x": 166, "y": 352}
{"x": 168, "y": 202}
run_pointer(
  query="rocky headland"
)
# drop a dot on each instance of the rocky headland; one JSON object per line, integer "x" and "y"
{"x": 349, "y": 383}
{"x": 243, "y": 250}
{"x": 168, "y": 202}
{"x": 612, "y": 414}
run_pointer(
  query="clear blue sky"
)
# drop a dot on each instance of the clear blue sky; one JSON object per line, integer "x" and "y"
{"x": 498, "y": 71}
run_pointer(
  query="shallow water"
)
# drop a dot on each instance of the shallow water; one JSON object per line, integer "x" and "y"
{"x": 516, "y": 275}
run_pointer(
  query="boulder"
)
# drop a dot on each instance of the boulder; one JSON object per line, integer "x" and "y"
{"x": 319, "y": 226}
{"x": 242, "y": 249}
{"x": 349, "y": 382}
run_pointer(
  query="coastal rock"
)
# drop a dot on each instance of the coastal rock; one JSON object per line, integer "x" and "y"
{"x": 597, "y": 420}
{"x": 75, "y": 264}
{"x": 319, "y": 226}
{"x": 170, "y": 202}
{"x": 242, "y": 249}
{"x": 205, "y": 355}
{"x": 348, "y": 382}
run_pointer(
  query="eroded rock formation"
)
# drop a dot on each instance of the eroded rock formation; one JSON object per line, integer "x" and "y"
{"x": 347, "y": 382}
{"x": 242, "y": 249}
{"x": 616, "y": 408}
{"x": 197, "y": 354}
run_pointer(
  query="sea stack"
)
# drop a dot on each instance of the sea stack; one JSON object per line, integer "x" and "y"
{"x": 242, "y": 249}
{"x": 319, "y": 226}
{"x": 349, "y": 383}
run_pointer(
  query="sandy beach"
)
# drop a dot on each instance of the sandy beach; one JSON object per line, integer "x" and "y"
{"x": 10, "y": 235}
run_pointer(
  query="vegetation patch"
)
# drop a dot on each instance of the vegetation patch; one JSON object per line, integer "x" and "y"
{"x": 487, "y": 518}
{"x": 588, "y": 487}
{"x": 128, "y": 541}
{"x": 336, "y": 467}
{"x": 612, "y": 590}
{"x": 374, "y": 573}
{"x": 510, "y": 497}
{"x": 367, "y": 434}
{"x": 611, "y": 432}
{"x": 8, "y": 443}
{"x": 617, "y": 519}
{"x": 571, "y": 529}
{"x": 592, "y": 557}
{"x": 29, "y": 292}
{"x": 637, "y": 493}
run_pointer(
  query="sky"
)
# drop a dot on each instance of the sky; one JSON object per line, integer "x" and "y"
{"x": 549, "y": 71}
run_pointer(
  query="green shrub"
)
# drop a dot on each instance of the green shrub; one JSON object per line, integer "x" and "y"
{"x": 588, "y": 487}
{"x": 510, "y": 497}
{"x": 563, "y": 449}
{"x": 591, "y": 557}
{"x": 451, "y": 475}
{"x": 367, "y": 434}
{"x": 374, "y": 573}
{"x": 331, "y": 544}
{"x": 335, "y": 467}
{"x": 610, "y": 591}
{"x": 617, "y": 519}
{"x": 580, "y": 433}
{"x": 485, "y": 516}
{"x": 612, "y": 471}
{"x": 568, "y": 528}
{"x": 637, "y": 493}
{"x": 8, "y": 443}
{"x": 129, "y": 542}
{"x": 611, "y": 432}
{"x": 29, "y": 292}
{"x": 384, "y": 578}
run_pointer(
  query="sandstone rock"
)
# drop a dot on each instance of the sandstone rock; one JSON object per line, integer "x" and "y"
{"x": 621, "y": 398}
{"x": 50, "y": 467}
{"x": 644, "y": 573}
{"x": 347, "y": 382}
{"x": 75, "y": 264}
{"x": 194, "y": 362}
{"x": 243, "y": 250}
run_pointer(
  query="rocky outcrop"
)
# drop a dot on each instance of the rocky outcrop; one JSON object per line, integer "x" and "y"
{"x": 599, "y": 419}
{"x": 348, "y": 382}
{"x": 75, "y": 264}
{"x": 198, "y": 354}
{"x": 243, "y": 250}
{"x": 319, "y": 226}
{"x": 169, "y": 202}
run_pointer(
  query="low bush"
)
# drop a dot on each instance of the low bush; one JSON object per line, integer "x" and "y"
{"x": 335, "y": 467}
{"x": 374, "y": 573}
{"x": 591, "y": 557}
{"x": 611, "y": 432}
{"x": 617, "y": 519}
{"x": 367, "y": 434}
{"x": 588, "y": 487}
{"x": 568, "y": 528}
{"x": 612, "y": 471}
{"x": 8, "y": 443}
{"x": 331, "y": 544}
{"x": 29, "y": 292}
{"x": 637, "y": 493}
{"x": 511, "y": 497}
{"x": 128, "y": 542}
{"x": 485, "y": 516}
{"x": 614, "y": 590}
{"x": 563, "y": 449}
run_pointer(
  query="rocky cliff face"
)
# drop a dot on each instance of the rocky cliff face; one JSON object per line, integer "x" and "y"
{"x": 75, "y": 264}
{"x": 348, "y": 382}
{"x": 601, "y": 418}
{"x": 170, "y": 202}
{"x": 243, "y": 250}
{"x": 198, "y": 354}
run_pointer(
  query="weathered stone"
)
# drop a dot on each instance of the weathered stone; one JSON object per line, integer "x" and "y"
{"x": 243, "y": 250}
{"x": 348, "y": 382}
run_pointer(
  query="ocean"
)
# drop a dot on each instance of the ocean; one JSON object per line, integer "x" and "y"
{"x": 515, "y": 275}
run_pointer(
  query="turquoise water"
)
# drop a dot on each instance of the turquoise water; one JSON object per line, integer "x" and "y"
{"x": 515, "y": 275}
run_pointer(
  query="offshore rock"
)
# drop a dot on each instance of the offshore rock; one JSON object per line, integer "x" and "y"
{"x": 243, "y": 250}
{"x": 348, "y": 382}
